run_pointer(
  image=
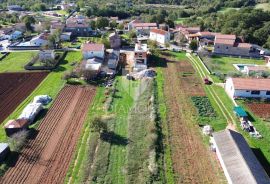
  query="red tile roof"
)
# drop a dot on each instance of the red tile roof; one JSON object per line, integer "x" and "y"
{"x": 145, "y": 25}
{"x": 251, "y": 84}
{"x": 225, "y": 36}
{"x": 224, "y": 41}
{"x": 92, "y": 47}
{"x": 257, "y": 68}
{"x": 159, "y": 31}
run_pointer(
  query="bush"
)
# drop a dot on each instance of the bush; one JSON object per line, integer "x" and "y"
{"x": 18, "y": 140}
{"x": 203, "y": 106}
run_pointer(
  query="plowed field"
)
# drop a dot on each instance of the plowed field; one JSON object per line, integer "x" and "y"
{"x": 192, "y": 161}
{"x": 261, "y": 110}
{"x": 14, "y": 88}
{"x": 46, "y": 158}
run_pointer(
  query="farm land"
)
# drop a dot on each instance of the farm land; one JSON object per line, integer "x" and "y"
{"x": 47, "y": 156}
{"x": 51, "y": 86}
{"x": 15, "y": 87}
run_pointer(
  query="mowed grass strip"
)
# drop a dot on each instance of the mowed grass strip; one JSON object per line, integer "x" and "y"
{"x": 15, "y": 61}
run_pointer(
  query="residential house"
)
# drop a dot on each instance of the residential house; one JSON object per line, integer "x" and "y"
{"x": 140, "y": 57}
{"x": 14, "y": 8}
{"x": 40, "y": 40}
{"x": 254, "y": 69}
{"x": 78, "y": 27}
{"x": 237, "y": 160}
{"x": 46, "y": 55}
{"x": 56, "y": 26}
{"x": 227, "y": 45}
{"x": 115, "y": 40}
{"x": 66, "y": 36}
{"x": 14, "y": 35}
{"x": 4, "y": 151}
{"x": 248, "y": 87}
{"x": 189, "y": 33}
{"x": 160, "y": 36}
{"x": 93, "y": 64}
{"x": 92, "y": 50}
{"x": 113, "y": 59}
{"x": 141, "y": 28}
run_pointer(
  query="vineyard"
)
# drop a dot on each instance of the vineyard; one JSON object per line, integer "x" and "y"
{"x": 14, "y": 88}
{"x": 47, "y": 156}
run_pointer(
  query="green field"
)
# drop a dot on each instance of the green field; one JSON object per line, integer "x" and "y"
{"x": 181, "y": 20}
{"x": 263, "y": 6}
{"x": 15, "y": 61}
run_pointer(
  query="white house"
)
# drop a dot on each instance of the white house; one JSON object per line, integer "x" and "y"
{"x": 40, "y": 40}
{"x": 160, "y": 36}
{"x": 91, "y": 50}
{"x": 65, "y": 36}
{"x": 14, "y": 35}
{"x": 248, "y": 87}
{"x": 46, "y": 54}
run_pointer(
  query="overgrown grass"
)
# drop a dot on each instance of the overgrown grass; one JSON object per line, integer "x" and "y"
{"x": 16, "y": 61}
{"x": 166, "y": 163}
{"x": 141, "y": 165}
{"x": 263, "y": 6}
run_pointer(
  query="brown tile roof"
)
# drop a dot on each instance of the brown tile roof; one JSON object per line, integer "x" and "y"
{"x": 225, "y": 36}
{"x": 159, "y": 31}
{"x": 251, "y": 84}
{"x": 145, "y": 25}
{"x": 92, "y": 47}
{"x": 257, "y": 68}
{"x": 193, "y": 29}
{"x": 224, "y": 41}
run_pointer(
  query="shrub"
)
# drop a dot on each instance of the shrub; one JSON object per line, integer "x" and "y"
{"x": 18, "y": 140}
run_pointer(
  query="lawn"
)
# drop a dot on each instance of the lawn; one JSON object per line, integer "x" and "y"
{"x": 181, "y": 20}
{"x": 62, "y": 12}
{"x": 80, "y": 41}
{"x": 15, "y": 61}
{"x": 51, "y": 85}
{"x": 225, "y": 64}
{"x": 261, "y": 146}
{"x": 263, "y": 6}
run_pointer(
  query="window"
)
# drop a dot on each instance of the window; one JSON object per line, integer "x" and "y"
{"x": 218, "y": 47}
{"x": 255, "y": 92}
{"x": 227, "y": 47}
{"x": 247, "y": 91}
{"x": 267, "y": 92}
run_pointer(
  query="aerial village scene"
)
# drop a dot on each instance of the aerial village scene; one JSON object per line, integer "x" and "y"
{"x": 135, "y": 91}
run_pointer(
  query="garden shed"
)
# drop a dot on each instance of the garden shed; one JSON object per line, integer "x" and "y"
{"x": 13, "y": 126}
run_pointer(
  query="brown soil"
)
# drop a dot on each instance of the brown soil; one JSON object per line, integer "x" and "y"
{"x": 261, "y": 110}
{"x": 14, "y": 88}
{"x": 46, "y": 158}
{"x": 192, "y": 161}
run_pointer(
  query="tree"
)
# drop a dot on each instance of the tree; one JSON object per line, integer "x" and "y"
{"x": 113, "y": 24}
{"x": 29, "y": 20}
{"x": 120, "y": 26}
{"x": 132, "y": 34}
{"x": 102, "y": 22}
{"x": 193, "y": 45}
{"x": 99, "y": 125}
{"x": 89, "y": 12}
{"x": 93, "y": 24}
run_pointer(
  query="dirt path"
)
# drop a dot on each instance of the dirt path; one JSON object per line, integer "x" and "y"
{"x": 192, "y": 162}
{"x": 47, "y": 157}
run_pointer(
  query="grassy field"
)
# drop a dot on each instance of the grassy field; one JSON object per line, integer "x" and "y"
{"x": 181, "y": 20}
{"x": 62, "y": 12}
{"x": 260, "y": 146}
{"x": 225, "y": 64}
{"x": 263, "y": 6}
{"x": 15, "y": 61}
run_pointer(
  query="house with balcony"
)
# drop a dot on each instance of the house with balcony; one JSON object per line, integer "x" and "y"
{"x": 140, "y": 57}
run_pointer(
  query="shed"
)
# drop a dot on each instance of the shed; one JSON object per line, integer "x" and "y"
{"x": 13, "y": 126}
{"x": 4, "y": 150}
{"x": 240, "y": 112}
{"x": 237, "y": 159}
